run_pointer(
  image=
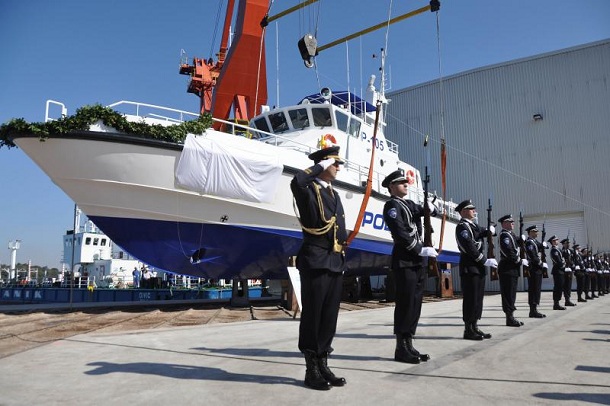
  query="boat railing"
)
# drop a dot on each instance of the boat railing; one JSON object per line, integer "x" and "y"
{"x": 180, "y": 115}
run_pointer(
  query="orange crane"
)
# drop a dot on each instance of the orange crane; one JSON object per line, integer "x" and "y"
{"x": 237, "y": 81}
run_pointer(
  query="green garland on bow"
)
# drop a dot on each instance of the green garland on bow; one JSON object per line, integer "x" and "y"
{"x": 88, "y": 115}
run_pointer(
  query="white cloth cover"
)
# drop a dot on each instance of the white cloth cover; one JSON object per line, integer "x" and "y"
{"x": 224, "y": 165}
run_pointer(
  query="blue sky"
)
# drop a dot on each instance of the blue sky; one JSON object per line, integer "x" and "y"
{"x": 86, "y": 52}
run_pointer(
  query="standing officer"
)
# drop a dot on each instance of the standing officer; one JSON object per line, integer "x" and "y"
{"x": 558, "y": 272}
{"x": 403, "y": 218}
{"x": 579, "y": 272}
{"x": 533, "y": 248}
{"x": 567, "y": 282}
{"x": 508, "y": 268}
{"x": 584, "y": 253}
{"x": 321, "y": 263}
{"x": 469, "y": 238}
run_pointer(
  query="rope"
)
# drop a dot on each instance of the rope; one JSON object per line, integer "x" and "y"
{"x": 443, "y": 142}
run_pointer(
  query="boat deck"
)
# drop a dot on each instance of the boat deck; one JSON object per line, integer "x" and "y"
{"x": 560, "y": 358}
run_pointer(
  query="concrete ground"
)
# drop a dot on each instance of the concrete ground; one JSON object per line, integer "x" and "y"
{"x": 563, "y": 359}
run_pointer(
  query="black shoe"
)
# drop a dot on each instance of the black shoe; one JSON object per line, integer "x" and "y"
{"x": 328, "y": 374}
{"x": 570, "y": 304}
{"x": 412, "y": 350}
{"x": 313, "y": 376}
{"x": 470, "y": 334}
{"x": 402, "y": 353}
{"x": 582, "y": 300}
{"x": 479, "y": 332}
{"x": 589, "y": 297}
{"x": 558, "y": 307}
{"x": 594, "y": 295}
{"x": 512, "y": 322}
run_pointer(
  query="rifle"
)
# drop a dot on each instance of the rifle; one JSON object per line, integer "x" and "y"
{"x": 522, "y": 254}
{"x": 545, "y": 271}
{"x": 493, "y": 274}
{"x": 432, "y": 264}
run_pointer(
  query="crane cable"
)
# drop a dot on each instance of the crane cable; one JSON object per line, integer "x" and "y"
{"x": 443, "y": 141}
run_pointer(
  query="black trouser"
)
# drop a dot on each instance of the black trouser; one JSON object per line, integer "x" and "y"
{"x": 593, "y": 282}
{"x": 567, "y": 286}
{"x": 534, "y": 287}
{"x": 587, "y": 283}
{"x": 409, "y": 295}
{"x": 508, "y": 291}
{"x": 473, "y": 290}
{"x": 558, "y": 281}
{"x": 601, "y": 283}
{"x": 321, "y": 297}
{"x": 580, "y": 283}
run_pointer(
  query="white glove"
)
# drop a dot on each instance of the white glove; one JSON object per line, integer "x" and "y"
{"x": 523, "y": 238}
{"x": 491, "y": 262}
{"x": 327, "y": 162}
{"x": 431, "y": 206}
{"x": 588, "y": 269}
{"x": 545, "y": 245}
{"x": 492, "y": 230}
{"x": 578, "y": 267}
{"x": 428, "y": 252}
{"x": 545, "y": 265}
{"x": 525, "y": 262}
{"x": 568, "y": 269}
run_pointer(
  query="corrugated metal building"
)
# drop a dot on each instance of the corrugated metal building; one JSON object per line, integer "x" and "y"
{"x": 531, "y": 134}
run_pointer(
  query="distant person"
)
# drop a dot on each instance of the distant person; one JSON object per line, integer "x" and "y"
{"x": 566, "y": 251}
{"x": 559, "y": 265}
{"x": 403, "y": 218}
{"x": 509, "y": 267}
{"x": 146, "y": 278}
{"x": 136, "y": 277}
{"x": 321, "y": 263}
{"x": 533, "y": 249}
{"x": 469, "y": 237}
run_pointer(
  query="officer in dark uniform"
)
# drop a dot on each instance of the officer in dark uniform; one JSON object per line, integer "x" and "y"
{"x": 508, "y": 268}
{"x": 403, "y": 218}
{"x": 601, "y": 283}
{"x": 533, "y": 248}
{"x": 321, "y": 263}
{"x": 579, "y": 272}
{"x": 584, "y": 253}
{"x": 558, "y": 272}
{"x": 469, "y": 238}
{"x": 566, "y": 251}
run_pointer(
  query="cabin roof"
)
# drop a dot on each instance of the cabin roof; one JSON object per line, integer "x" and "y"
{"x": 342, "y": 98}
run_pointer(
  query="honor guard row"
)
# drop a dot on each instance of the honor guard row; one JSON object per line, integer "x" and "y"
{"x": 321, "y": 263}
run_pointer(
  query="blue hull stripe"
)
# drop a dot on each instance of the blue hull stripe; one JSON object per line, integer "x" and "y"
{"x": 223, "y": 251}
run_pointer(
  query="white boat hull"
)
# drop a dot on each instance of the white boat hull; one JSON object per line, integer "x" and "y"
{"x": 127, "y": 186}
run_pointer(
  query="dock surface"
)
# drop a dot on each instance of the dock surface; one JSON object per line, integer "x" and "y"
{"x": 563, "y": 359}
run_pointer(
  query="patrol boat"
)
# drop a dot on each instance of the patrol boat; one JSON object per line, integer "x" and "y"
{"x": 219, "y": 205}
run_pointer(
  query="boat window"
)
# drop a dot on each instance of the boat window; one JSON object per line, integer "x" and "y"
{"x": 261, "y": 124}
{"x": 342, "y": 120}
{"x": 103, "y": 242}
{"x": 88, "y": 241}
{"x": 96, "y": 241}
{"x": 278, "y": 122}
{"x": 321, "y": 116}
{"x": 354, "y": 127}
{"x": 299, "y": 118}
